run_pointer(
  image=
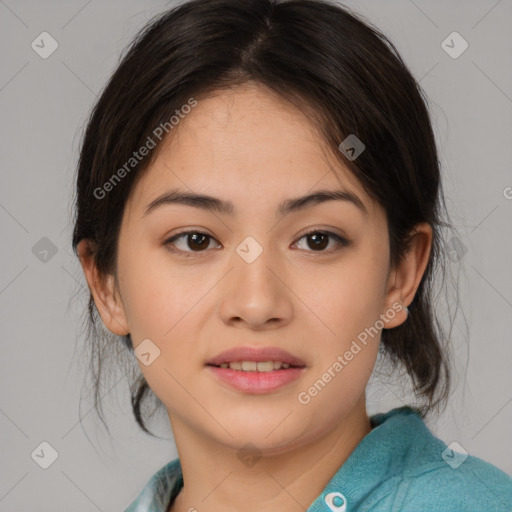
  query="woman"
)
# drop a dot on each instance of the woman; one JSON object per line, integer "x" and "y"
{"x": 258, "y": 214}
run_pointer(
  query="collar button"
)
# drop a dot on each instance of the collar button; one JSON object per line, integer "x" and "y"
{"x": 336, "y": 502}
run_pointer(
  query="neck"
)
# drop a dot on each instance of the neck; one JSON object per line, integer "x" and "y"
{"x": 215, "y": 479}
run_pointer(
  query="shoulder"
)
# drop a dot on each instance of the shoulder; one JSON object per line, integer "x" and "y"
{"x": 429, "y": 475}
{"x": 474, "y": 485}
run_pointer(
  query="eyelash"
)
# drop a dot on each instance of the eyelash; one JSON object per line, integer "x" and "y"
{"x": 343, "y": 242}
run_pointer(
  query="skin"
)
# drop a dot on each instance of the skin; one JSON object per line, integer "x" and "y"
{"x": 251, "y": 147}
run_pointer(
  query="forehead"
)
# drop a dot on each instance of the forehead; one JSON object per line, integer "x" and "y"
{"x": 245, "y": 144}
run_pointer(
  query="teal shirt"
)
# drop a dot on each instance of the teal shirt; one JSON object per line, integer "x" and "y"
{"x": 398, "y": 466}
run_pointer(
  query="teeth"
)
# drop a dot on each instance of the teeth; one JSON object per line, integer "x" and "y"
{"x": 253, "y": 366}
{"x": 250, "y": 365}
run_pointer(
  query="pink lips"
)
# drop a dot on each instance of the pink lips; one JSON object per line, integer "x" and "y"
{"x": 253, "y": 381}
{"x": 256, "y": 382}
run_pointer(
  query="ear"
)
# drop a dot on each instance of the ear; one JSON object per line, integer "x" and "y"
{"x": 104, "y": 292}
{"x": 406, "y": 277}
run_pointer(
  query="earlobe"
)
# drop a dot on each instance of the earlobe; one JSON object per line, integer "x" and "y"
{"x": 405, "y": 279}
{"x": 104, "y": 292}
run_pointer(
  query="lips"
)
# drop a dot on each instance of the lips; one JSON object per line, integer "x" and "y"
{"x": 255, "y": 354}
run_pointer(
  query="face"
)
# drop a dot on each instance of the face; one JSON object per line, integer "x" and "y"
{"x": 253, "y": 276}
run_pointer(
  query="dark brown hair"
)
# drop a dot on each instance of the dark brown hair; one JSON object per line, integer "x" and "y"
{"x": 325, "y": 60}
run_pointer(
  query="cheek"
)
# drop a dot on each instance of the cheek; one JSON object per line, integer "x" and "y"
{"x": 345, "y": 303}
{"x": 345, "y": 357}
{"x": 344, "y": 297}
{"x": 156, "y": 295}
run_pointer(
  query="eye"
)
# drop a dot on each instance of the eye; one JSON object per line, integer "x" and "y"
{"x": 194, "y": 240}
{"x": 197, "y": 241}
{"x": 320, "y": 239}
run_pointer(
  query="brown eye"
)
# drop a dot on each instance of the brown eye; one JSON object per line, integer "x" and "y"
{"x": 319, "y": 240}
{"x": 198, "y": 241}
{"x": 190, "y": 241}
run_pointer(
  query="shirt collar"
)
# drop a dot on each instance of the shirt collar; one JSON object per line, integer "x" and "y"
{"x": 374, "y": 460}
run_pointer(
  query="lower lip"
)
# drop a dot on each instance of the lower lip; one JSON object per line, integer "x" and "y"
{"x": 256, "y": 382}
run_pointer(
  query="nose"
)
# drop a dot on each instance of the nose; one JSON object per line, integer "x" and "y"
{"x": 255, "y": 292}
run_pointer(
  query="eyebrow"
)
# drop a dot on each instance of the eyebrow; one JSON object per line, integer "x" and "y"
{"x": 215, "y": 204}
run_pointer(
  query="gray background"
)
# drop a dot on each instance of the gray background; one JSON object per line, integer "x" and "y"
{"x": 44, "y": 104}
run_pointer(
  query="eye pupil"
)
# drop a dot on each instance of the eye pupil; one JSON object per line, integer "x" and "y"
{"x": 202, "y": 239}
{"x": 317, "y": 243}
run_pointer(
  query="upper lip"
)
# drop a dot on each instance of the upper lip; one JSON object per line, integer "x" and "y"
{"x": 255, "y": 354}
